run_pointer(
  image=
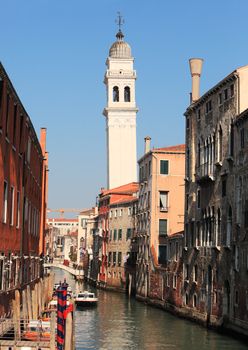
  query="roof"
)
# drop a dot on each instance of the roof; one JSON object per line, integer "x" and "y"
{"x": 176, "y": 149}
{"x": 124, "y": 200}
{"x": 243, "y": 116}
{"x": 124, "y": 189}
{"x": 62, "y": 220}
{"x": 180, "y": 149}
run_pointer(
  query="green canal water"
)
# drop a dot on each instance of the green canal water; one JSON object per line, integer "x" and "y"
{"x": 118, "y": 323}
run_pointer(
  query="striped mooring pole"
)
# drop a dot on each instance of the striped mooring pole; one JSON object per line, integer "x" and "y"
{"x": 61, "y": 307}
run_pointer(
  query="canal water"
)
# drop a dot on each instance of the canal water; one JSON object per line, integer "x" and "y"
{"x": 118, "y": 323}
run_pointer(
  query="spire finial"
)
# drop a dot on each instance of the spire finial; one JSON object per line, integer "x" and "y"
{"x": 120, "y": 21}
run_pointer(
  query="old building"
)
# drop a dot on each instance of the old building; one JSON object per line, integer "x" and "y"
{"x": 87, "y": 220}
{"x": 121, "y": 231}
{"x": 101, "y": 236}
{"x": 160, "y": 209}
{"x": 23, "y": 195}
{"x": 61, "y": 228}
{"x": 213, "y": 201}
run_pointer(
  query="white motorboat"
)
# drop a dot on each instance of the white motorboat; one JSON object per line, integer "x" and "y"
{"x": 86, "y": 298}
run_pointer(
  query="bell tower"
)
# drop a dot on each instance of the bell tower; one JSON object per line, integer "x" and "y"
{"x": 120, "y": 113}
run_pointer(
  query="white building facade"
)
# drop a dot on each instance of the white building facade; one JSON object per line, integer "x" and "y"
{"x": 120, "y": 114}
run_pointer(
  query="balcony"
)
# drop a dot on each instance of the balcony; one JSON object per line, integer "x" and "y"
{"x": 204, "y": 173}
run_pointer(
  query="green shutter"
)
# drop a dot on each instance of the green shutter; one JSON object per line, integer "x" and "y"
{"x": 162, "y": 227}
{"x": 164, "y": 167}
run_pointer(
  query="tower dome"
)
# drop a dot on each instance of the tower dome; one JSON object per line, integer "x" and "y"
{"x": 120, "y": 49}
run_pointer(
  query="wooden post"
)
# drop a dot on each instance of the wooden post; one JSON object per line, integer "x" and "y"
{"x": 52, "y": 337}
{"x": 18, "y": 313}
{"x": 68, "y": 332}
{"x": 29, "y": 303}
{"x": 130, "y": 285}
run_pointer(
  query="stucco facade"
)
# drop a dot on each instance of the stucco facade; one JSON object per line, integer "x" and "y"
{"x": 160, "y": 208}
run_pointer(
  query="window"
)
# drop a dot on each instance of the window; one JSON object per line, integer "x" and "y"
{"x": 120, "y": 234}
{"x": 163, "y": 200}
{"x": 18, "y": 210}
{"x": 187, "y": 123}
{"x": 115, "y": 234}
{"x": 162, "y": 257}
{"x": 208, "y": 106}
{"x": 177, "y": 251}
{"x": 114, "y": 258}
{"x": 7, "y": 116}
{"x": 129, "y": 211}
{"x": 223, "y": 187}
{"x": 119, "y": 258}
{"x": 127, "y": 94}
{"x": 29, "y": 150}
{"x": 120, "y": 212}
{"x": 174, "y": 281}
{"x": 242, "y": 138}
{"x": 231, "y": 90}
{"x": 164, "y": 167}
{"x": 115, "y": 94}
{"x": 129, "y": 232}
{"x": 162, "y": 227}
{"x": 187, "y": 201}
{"x": 195, "y": 274}
{"x": 149, "y": 168}
{"x": 225, "y": 94}
{"x": 195, "y": 300}
{"x": 116, "y": 213}
{"x": 220, "y": 98}
{"x": 14, "y": 124}
{"x": 5, "y": 201}
{"x": 198, "y": 199}
{"x": 220, "y": 144}
{"x": 110, "y": 214}
{"x": 12, "y": 204}
{"x": 21, "y": 131}
{"x": 110, "y": 235}
{"x": 109, "y": 258}
{"x": 199, "y": 114}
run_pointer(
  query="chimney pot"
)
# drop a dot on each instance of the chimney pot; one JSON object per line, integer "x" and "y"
{"x": 195, "y": 70}
{"x": 147, "y": 144}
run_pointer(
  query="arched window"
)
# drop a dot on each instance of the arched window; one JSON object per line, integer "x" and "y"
{"x": 229, "y": 227}
{"x": 127, "y": 94}
{"x": 220, "y": 144}
{"x": 115, "y": 94}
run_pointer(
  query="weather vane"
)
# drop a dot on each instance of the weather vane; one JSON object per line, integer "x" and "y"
{"x": 120, "y": 21}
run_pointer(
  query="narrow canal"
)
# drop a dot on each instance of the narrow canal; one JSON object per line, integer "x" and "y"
{"x": 118, "y": 323}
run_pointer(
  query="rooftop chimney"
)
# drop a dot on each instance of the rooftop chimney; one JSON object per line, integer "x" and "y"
{"x": 195, "y": 70}
{"x": 147, "y": 144}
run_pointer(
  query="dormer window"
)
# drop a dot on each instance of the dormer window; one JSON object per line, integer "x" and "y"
{"x": 127, "y": 94}
{"x": 115, "y": 94}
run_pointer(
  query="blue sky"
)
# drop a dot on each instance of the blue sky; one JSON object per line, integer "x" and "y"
{"x": 54, "y": 52}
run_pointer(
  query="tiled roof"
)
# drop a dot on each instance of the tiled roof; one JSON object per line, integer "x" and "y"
{"x": 123, "y": 200}
{"x": 177, "y": 148}
{"x": 124, "y": 189}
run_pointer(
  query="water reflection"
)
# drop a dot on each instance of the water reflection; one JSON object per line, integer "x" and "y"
{"x": 118, "y": 323}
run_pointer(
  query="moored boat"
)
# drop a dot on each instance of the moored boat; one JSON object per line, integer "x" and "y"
{"x": 86, "y": 298}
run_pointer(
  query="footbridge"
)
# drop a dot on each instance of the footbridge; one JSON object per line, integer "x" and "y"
{"x": 78, "y": 273}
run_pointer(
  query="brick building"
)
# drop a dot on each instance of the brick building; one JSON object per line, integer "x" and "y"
{"x": 23, "y": 195}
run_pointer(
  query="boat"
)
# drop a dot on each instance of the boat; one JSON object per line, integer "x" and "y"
{"x": 86, "y": 298}
{"x": 37, "y": 330}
